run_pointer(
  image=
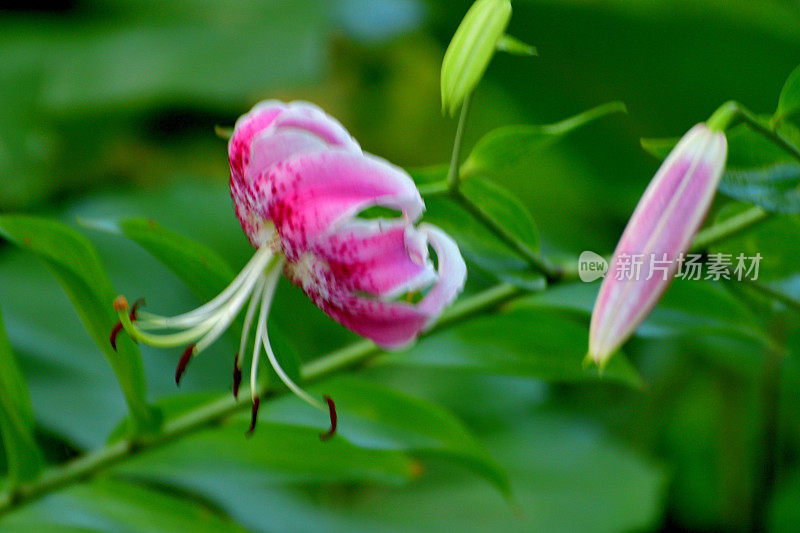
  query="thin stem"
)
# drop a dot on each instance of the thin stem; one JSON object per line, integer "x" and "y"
{"x": 455, "y": 159}
{"x": 209, "y": 414}
{"x": 536, "y": 260}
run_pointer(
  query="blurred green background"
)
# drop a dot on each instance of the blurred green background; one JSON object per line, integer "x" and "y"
{"x": 109, "y": 110}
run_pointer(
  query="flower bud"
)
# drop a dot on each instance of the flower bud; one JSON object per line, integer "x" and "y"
{"x": 657, "y": 236}
{"x": 471, "y": 50}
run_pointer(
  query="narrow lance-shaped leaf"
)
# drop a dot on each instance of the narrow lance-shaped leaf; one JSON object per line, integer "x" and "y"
{"x": 514, "y": 46}
{"x": 376, "y": 417}
{"x": 513, "y": 146}
{"x": 74, "y": 262}
{"x": 789, "y": 101}
{"x": 16, "y": 418}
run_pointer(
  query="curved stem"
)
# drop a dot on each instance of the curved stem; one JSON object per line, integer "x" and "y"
{"x": 209, "y": 414}
{"x": 455, "y": 159}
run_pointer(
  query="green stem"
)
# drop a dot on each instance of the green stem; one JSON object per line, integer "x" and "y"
{"x": 455, "y": 158}
{"x": 216, "y": 411}
{"x": 536, "y": 260}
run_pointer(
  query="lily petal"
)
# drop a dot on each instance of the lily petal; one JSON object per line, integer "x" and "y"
{"x": 380, "y": 257}
{"x": 309, "y": 195}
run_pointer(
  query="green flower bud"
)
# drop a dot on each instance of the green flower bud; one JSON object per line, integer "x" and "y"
{"x": 472, "y": 49}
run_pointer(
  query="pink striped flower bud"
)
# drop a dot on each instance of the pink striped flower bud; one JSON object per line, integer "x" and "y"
{"x": 656, "y": 238}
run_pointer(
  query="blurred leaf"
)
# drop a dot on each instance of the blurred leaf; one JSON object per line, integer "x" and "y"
{"x": 514, "y": 46}
{"x": 688, "y": 307}
{"x": 775, "y": 188}
{"x": 482, "y": 250}
{"x": 76, "y": 265}
{"x": 775, "y": 239}
{"x": 204, "y": 271}
{"x": 559, "y": 464}
{"x": 784, "y": 514}
{"x": 789, "y": 101}
{"x": 214, "y": 460}
{"x": 376, "y": 417}
{"x": 471, "y": 50}
{"x": 109, "y": 504}
{"x": 513, "y": 148}
{"x": 536, "y": 343}
{"x": 16, "y": 418}
{"x": 504, "y": 208}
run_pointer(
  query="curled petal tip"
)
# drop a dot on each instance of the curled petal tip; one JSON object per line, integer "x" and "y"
{"x": 334, "y": 419}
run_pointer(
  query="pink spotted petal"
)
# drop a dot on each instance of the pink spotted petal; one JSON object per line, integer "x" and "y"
{"x": 390, "y": 325}
{"x": 379, "y": 257}
{"x": 307, "y": 117}
{"x": 662, "y": 226}
{"x": 311, "y": 194}
{"x": 246, "y": 129}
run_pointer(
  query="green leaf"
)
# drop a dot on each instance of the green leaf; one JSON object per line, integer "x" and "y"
{"x": 75, "y": 263}
{"x": 789, "y": 101}
{"x": 559, "y": 464}
{"x": 537, "y": 343}
{"x": 659, "y": 148}
{"x": 687, "y": 308}
{"x": 776, "y": 188}
{"x": 204, "y": 271}
{"x": 375, "y": 417}
{"x": 111, "y": 504}
{"x": 482, "y": 250}
{"x": 775, "y": 239}
{"x": 224, "y": 457}
{"x": 505, "y": 209}
{"x": 514, "y": 46}
{"x": 16, "y": 418}
{"x": 515, "y": 147}
{"x": 471, "y": 50}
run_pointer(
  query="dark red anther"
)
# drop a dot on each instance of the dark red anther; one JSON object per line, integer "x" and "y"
{"x": 253, "y": 415}
{"x": 138, "y": 303}
{"x": 237, "y": 377}
{"x": 182, "y": 362}
{"x": 114, "y": 332}
{"x": 332, "y": 411}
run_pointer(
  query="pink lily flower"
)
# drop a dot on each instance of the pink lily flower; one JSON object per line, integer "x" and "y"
{"x": 299, "y": 183}
{"x": 656, "y": 238}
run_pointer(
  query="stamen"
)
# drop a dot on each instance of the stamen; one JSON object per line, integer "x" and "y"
{"x": 114, "y": 332}
{"x": 118, "y": 326}
{"x": 334, "y": 419}
{"x": 253, "y": 415}
{"x": 183, "y": 361}
{"x": 244, "y": 281}
{"x": 266, "y": 302}
{"x": 237, "y": 377}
